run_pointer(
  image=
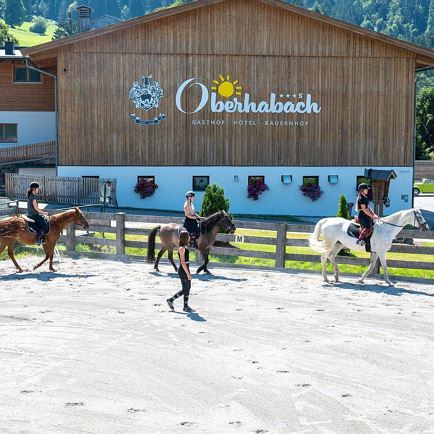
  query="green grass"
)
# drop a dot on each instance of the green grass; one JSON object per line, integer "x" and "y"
{"x": 26, "y": 38}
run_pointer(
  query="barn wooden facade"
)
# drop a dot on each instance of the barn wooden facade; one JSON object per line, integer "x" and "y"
{"x": 228, "y": 89}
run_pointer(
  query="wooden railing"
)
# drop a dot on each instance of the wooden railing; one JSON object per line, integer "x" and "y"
{"x": 117, "y": 229}
{"x": 65, "y": 190}
{"x": 24, "y": 153}
{"x": 424, "y": 169}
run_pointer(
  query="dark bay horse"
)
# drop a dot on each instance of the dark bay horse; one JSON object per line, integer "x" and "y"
{"x": 169, "y": 236}
{"x": 15, "y": 229}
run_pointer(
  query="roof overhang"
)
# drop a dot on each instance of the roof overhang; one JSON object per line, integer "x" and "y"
{"x": 425, "y": 56}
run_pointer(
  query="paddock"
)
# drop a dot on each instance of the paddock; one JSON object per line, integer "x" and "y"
{"x": 94, "y": 349}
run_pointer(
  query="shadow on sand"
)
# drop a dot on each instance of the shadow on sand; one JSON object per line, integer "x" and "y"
{"x": 379, "y": 288}
{"x": 206, "y": 277}
{"x": 44, "y": 276}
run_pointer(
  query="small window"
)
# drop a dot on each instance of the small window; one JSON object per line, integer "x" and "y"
{"x": 8, "y": 133}
{"x": 251, "y": 179}
{"x": 147, "y": 178}
{"x": 361, "y": 179}
{"x": 200, "y": 183}
{"x": 312, "y": 180}
{"x": 25, "y": 75}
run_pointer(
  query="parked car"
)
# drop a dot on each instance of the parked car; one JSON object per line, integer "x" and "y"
{"x": 424, "y": 186}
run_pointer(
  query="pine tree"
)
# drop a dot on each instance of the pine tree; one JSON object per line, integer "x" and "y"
{"x": 65, "y": 28}
{"x": 343, "y": 208}
{"x": 15, "y": 12}
{"x": 214, "y": 200}
{"x": 429, "y": 32}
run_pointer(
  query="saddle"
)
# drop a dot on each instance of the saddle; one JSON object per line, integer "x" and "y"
{"x": 354, "y": 231}
{"x": 33, "y": 227}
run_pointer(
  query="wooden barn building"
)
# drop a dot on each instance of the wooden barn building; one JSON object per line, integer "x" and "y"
{"x": 223, "y": 91}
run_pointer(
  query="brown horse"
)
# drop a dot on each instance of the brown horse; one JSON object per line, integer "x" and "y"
{"x": 15, "y": 229}
{"x": 169, "y": 236}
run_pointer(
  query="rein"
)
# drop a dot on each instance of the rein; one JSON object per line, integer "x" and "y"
{"x": 399, "y": 226}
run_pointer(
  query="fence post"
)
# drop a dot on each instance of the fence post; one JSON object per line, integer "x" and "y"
{"x": 120, "y": 233}
{"x": 70, "y": 238}
{"x": 281, "y": 245}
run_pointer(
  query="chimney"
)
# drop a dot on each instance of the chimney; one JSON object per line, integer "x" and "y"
{"x": 9, "y": 48}
{"x": 84, "y": 18}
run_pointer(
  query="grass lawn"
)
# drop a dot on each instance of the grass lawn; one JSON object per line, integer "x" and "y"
{"x": 26, "y": 38}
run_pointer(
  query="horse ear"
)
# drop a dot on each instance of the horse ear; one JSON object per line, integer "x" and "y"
{"x": 77, "y": 210}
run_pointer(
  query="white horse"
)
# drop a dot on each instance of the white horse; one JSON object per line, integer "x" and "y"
{"x": 336, "y": 237}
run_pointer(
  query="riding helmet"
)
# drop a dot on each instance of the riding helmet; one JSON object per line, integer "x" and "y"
{"x": 34, "y": 185}
{"x": 362, "y": 186}
{"x": 189, "y": 194}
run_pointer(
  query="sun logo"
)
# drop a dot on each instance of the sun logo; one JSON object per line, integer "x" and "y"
{"x": 225, "y": 87}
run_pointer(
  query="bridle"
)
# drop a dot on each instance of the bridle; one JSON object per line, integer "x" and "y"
{"x": 417, "y": 218}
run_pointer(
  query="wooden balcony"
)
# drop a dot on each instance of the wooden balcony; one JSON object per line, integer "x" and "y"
{"x": 28, "y": 153}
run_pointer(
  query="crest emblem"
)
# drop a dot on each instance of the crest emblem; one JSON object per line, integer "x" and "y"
{"x": 146, "y": 96}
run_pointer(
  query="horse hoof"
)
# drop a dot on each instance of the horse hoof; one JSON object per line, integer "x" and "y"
{"x": 208, "y": 272}
{"x": 19, "y": 270}
{"x": 360, "y": 281}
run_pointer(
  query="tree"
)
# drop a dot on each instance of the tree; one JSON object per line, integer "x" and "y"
{"x": 429, "y": 32}
{"x": 67, "y": 27}
{"x": 425, "y": 124}
{"x": 5, "y": 34}
{"x": 343, "y": 208}
{"x": 39, "y": 25}
{"x": 15, "y": 12}
{"x": 214, "y": 200}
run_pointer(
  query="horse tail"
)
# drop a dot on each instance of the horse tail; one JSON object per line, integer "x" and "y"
{"x": 151, "y": 244}
{"x": 315, "y": 243}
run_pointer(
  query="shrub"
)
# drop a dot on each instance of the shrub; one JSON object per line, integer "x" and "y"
{"x": 255, "y": 188}
{"x": 39, "y": 26}
{"x": 145, "y": 188}
{"x": 343, "y": 208}
{"x": 312, "y": 191}
{"x": 214, "y": 200}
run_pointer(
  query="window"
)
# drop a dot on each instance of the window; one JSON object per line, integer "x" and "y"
{"x": 8, "y": 133}
{"x": 313, "y": 180}
{"x": 25, "y": 75}
{"x": 251, "y": 179}
{"x": 147, "y": 178}
{"x": 361, "y": 179}
{"x": 200, "y": 183}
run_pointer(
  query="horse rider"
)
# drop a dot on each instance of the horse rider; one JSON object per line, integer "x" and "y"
{"x": 35, "y": 213}
{"x": 366, "y": 215}
{"x": 191, "y": 220}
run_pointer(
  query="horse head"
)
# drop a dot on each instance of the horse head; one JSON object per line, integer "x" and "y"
{"x": 80, "y": 219}
{"x": 420, "y": 221}
{"x": 227, "y": 224}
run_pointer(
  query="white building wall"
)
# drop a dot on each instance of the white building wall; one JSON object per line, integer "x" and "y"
{"x": 33, "y": 127}
{"x": 37, "y": 171}
{"x": 281, "y": 199}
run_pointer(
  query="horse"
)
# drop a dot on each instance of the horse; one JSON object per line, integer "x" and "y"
{"x": 386, "y": 229}
{"x": 169, "y": 236}
{"x": 15, "y": 229}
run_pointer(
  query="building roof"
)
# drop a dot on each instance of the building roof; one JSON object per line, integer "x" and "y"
{"x": 425, "y": 56}
{"x": 17, "y": 55}
{"x": 380, "y": 175}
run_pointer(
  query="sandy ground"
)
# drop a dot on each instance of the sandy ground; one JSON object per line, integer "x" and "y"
{"x": 94, "y": 349}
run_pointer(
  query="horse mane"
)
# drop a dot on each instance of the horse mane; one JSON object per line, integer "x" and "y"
{"x": 59, "y": 218}
{"x": 207, "y": 224}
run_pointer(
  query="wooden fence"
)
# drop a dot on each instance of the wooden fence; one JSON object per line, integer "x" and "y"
{"x": 27, "y": 153}
{"x": 67, "y": 190}
{"x": 424, "y": 169}
{"x": 119, "y": 227}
